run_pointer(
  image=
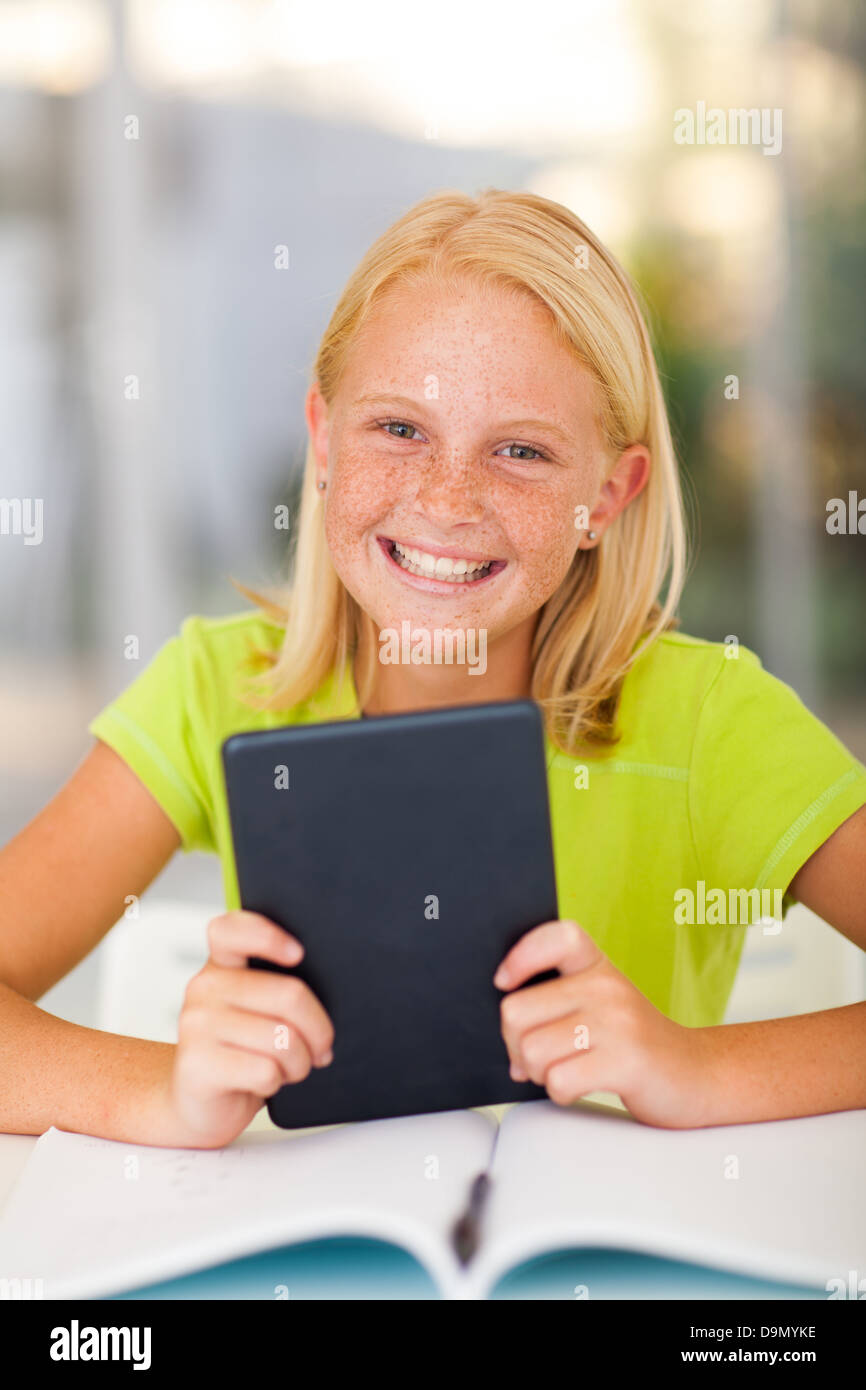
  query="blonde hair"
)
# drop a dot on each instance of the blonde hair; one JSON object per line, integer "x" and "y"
{"x": 587, "y": 634}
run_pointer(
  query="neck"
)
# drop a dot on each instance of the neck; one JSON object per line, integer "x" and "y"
{"x": 401, "y": 685}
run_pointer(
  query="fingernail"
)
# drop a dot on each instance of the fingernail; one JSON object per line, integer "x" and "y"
{"x": 517, "y": 1074}
{"x": 501, "y": 978}
{"x": 293, "y": 950}
{"x": 325, "y": 1059}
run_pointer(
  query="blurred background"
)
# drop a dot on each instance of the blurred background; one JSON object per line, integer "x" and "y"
{"x": 154, "y": 154}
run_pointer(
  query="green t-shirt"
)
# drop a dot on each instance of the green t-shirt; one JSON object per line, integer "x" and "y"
{"x": 722, "y": 780}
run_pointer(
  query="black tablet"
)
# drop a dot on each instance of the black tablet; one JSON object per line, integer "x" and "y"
{"x": 407, "y": 853}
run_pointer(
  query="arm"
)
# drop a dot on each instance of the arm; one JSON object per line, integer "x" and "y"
{"x": 63, "y": 882}
{"x": 811, "y": 1063}
{"x": 593, "y": 1030}
{"x": 242, "y": 1033}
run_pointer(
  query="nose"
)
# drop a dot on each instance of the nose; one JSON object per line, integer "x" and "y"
{"x": 450, "y": 492}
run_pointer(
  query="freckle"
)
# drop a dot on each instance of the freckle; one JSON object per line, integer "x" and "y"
{"x": 487, "y": 368}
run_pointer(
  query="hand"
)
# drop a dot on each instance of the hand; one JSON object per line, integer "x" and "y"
{"x": 243, "y": 1033}
{"x": 593, "y": 1030}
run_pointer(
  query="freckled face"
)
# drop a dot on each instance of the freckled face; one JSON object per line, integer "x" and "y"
{"x": 447, "y": 470}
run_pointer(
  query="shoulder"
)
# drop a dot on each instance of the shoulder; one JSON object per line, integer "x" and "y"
{"x": 680, "y": 654}
{"x": 670, "y": 686}
{"x": 224, "y": 638}
{"x": 716, "y": 705}
{"x": 683, "y": 669}
{"x": 218, "y": 654}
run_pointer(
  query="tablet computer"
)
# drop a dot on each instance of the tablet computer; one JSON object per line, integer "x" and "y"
{"x": 407, "y": 853}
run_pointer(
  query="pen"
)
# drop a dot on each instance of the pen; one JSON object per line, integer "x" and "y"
{"x": 466, "y": 1231}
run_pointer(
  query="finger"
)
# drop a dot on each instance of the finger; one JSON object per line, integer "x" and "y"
{"x": 560, "y": 945}
{"x": 227, "y": 1069}
{"x": 270, "y": 1038}
{"x": 536, "y": 1005}
{"x": 559, "y": 1040}
{"x": 281, "y": 998}
{"x": 233, "y": 936}
{"x": 571, "y": 1078}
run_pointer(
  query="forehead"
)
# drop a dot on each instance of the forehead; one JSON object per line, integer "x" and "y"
{"x": 478, "y": 340}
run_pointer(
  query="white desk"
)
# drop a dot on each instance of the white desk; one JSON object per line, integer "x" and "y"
{"x": 15, "y": 1149}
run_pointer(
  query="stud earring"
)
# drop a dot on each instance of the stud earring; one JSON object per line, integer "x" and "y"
{"x": 591, "y": 535}
{"x": 321, "y": 486}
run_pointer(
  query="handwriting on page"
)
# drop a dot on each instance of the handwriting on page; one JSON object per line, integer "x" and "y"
{"x": 190, "y": 1173}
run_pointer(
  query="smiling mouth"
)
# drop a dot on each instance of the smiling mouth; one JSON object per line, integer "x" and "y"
{"x": 446, "y": 569}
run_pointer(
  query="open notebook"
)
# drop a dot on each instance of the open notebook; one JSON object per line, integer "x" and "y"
{"x": 783, "y": 1201}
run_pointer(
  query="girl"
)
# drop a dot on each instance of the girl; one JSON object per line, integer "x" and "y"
{"x": 489, "y": 453}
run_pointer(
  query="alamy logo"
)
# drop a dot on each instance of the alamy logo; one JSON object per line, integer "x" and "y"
{"x": 22, "y": 516}
{"x": 739, "y": 906}
{"x": 421, "y": 646}
{"x": 737, "y": 126}
{"x": 846, "y": 519}
{"x": 15, "y": 1287}
{"x": 855, "y": 1288}
{"x": 76, "y": 1343}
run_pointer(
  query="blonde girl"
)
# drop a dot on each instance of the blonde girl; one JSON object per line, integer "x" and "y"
{"x": 489, "y": 453}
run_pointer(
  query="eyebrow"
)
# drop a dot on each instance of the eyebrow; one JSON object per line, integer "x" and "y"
{"x": 409, "y": 404}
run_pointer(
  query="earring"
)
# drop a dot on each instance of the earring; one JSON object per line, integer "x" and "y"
{"x": 321, "y": 486}
{"x": 591, "y": 535}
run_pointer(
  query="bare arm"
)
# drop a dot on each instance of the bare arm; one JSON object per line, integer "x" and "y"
{"x": 63, "y": 882}
{"x": 79, "y": 1079}
{"x": 64, "y": 878}
{"x": 242, "y": 1033}
{"x": 810, "y": 1063}
{"x": 593, "y": 1030}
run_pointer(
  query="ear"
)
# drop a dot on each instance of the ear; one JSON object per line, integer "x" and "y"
{"x": 316, "y": 413}
{"x": 627, "y": 478}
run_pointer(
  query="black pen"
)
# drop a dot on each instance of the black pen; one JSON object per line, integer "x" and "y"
{"x": 467, "y": 1230}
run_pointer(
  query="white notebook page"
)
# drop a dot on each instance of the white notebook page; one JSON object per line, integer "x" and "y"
{"x": 782, "y": 1200}
{"x": 91, "y": 1217}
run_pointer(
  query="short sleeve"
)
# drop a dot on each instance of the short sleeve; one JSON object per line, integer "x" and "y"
{"x": 768, "y": 783}
{"x": 149, "y": 725}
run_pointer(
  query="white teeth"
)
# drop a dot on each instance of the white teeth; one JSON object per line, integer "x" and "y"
{"x": 439, "y": 567}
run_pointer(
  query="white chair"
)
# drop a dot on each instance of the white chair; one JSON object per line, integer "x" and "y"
{"x": 146, "y": 962}
{"x": 805, "y": 966}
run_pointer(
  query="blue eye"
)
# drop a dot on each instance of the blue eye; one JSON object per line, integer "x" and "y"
{"x": 527, "y": 448}
{"x": 400, "y": 424}
{"x": 393, "y": 425}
